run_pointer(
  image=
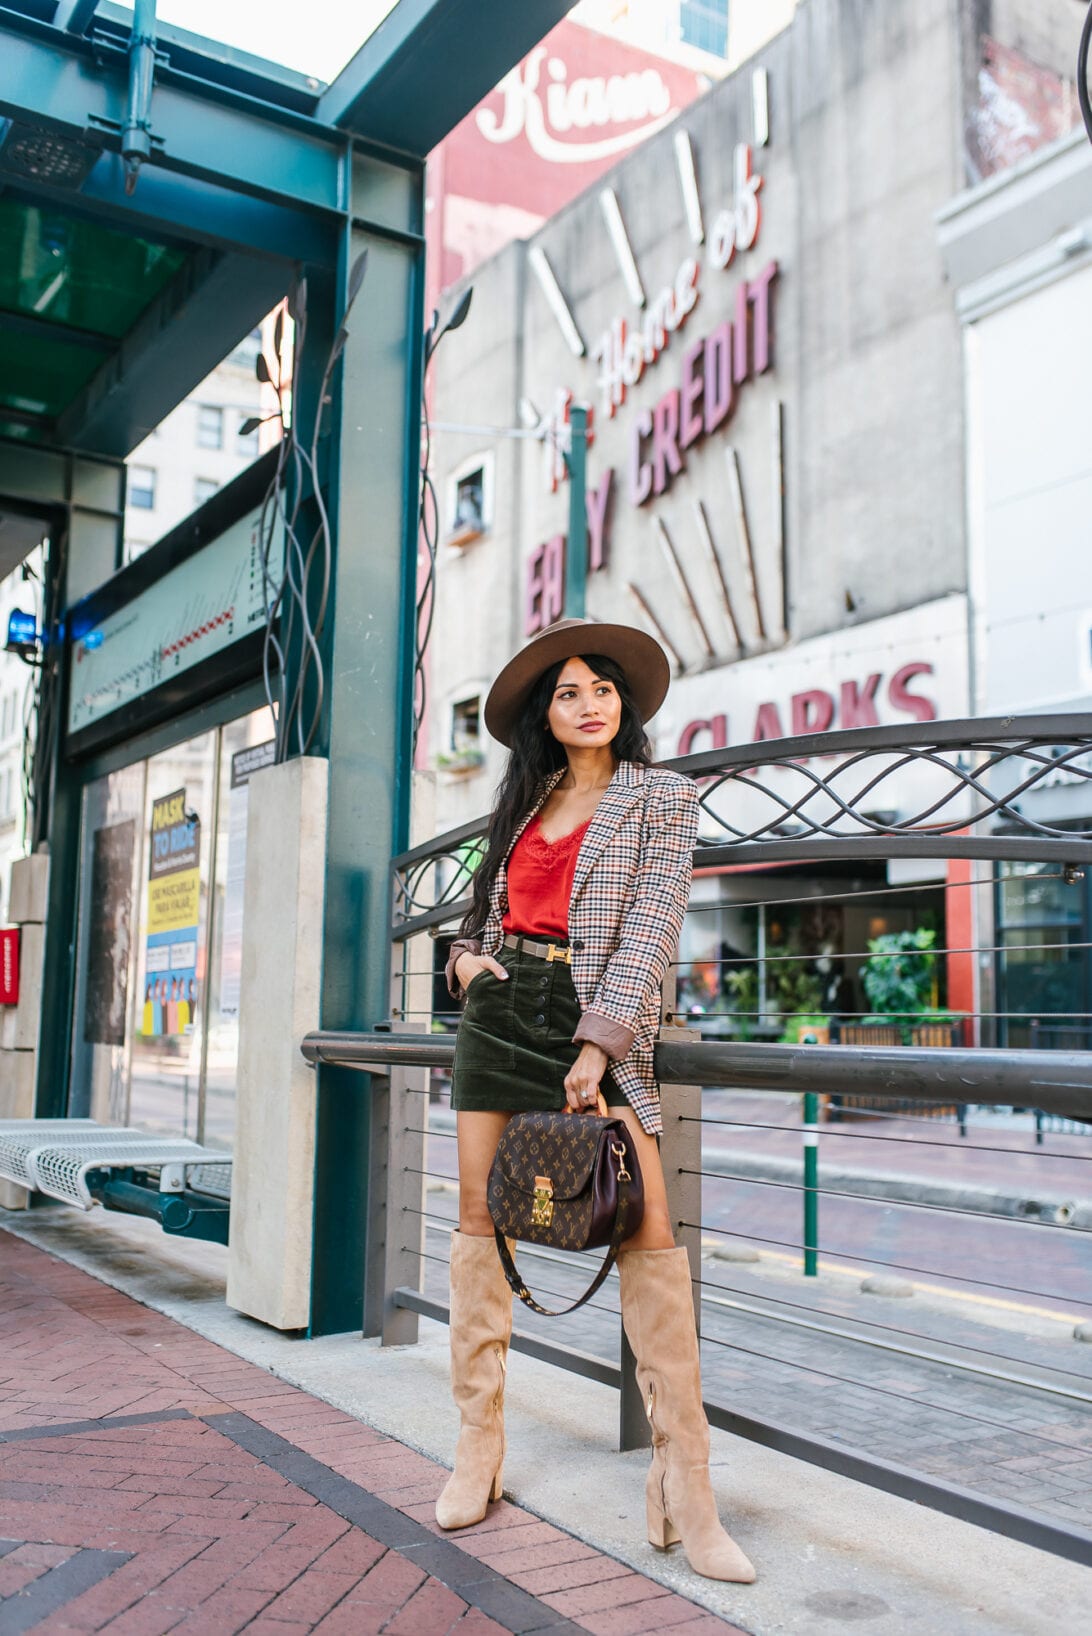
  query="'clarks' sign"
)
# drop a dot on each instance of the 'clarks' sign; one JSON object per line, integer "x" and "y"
{"x": 852, "y": 703}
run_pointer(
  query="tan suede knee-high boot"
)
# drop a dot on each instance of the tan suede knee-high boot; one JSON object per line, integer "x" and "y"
{"x": 481, "y": 1327}
{"x": 658, "y": 1313}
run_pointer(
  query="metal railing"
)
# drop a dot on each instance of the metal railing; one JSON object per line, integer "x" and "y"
{"x": 983, "y": 798}
{"x": 924, "y": 791}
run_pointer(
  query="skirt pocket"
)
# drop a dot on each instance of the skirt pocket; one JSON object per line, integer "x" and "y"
{"x": 484, "y": 1042}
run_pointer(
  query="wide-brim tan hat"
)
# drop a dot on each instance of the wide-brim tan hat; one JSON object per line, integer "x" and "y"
{"x": 640, "y": 656}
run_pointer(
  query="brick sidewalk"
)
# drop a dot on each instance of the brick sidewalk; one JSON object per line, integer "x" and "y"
{"x": 151, "y": 1481}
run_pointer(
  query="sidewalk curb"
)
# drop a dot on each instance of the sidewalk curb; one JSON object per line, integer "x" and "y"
{"x": 900, "y": 1186}
{"x": 1059, "y": 1209}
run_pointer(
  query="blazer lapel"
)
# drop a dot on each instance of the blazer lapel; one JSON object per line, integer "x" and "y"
{"x": 626, "y": 787}
{"x": 499, "y": 894}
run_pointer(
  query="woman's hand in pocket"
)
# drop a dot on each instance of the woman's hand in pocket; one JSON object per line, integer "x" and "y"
{"x": 468, "y": 966}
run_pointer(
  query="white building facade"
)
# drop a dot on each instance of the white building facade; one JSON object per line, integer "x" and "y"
{"x": 1018, "y": 252}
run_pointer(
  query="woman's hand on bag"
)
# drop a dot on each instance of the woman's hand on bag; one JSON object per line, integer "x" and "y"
{"x": 583, "y": 1078}
{"x": 468, "y": 966}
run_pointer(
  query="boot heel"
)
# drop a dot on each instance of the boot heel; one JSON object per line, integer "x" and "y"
{"x": 662, "y": 1533}
{"x": 497, "y": 1491}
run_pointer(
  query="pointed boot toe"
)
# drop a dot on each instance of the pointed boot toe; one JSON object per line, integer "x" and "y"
{"x": 468, "y": 1491}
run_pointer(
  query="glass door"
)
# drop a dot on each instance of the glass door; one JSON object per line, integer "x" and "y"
{"x": 160, "y": 936}
{"x": 109, "y": 913}
{"x": 1043, "y": 971}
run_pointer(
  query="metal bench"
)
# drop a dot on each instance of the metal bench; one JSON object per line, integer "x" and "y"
{"x": 83, "y": 1163}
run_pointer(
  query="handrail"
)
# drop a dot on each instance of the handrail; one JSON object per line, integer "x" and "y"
{"x": 1054, "y": 1081}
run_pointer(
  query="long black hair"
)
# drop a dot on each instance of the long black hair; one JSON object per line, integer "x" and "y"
{"x": 533, "y": 757}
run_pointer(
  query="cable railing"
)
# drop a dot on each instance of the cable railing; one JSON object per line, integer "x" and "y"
{"x": 887, "y": 1207}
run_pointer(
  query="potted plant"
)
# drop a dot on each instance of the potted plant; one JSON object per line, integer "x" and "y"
{"x": 804, "y": 1028}
{"x": 900, "y": 978}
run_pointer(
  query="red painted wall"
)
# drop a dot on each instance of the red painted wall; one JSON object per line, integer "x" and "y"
{"x": 959, "y": 932}
{"x": 571, "y": 109}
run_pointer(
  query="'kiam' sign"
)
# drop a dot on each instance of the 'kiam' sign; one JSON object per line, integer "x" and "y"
{"x": 570, "y": 121}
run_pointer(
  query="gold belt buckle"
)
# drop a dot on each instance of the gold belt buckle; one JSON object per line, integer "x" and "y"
{"x": 554, "y": 953}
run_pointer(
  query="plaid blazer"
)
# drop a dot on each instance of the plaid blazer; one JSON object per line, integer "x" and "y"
{"x": 630, "y": 893}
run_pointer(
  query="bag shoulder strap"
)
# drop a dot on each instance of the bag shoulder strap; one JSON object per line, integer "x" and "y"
{"x": 511, "y": 1271}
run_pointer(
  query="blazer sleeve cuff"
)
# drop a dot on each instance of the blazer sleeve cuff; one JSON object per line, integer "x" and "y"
{"x": 462, "y": 945}
{"x": 612, "y": 1037}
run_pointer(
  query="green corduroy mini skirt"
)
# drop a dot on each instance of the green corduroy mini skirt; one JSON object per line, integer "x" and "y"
{"x": 515, "y": 1041}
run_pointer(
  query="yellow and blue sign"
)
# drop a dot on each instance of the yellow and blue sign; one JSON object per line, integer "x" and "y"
{"x": 174, "y": 903}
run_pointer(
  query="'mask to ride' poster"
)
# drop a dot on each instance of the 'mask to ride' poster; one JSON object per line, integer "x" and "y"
{"x": 174, "y": 896}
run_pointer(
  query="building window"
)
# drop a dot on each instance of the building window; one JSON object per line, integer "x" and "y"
{"x": 141, "y": 492}
{"x": 203, "y": 489}
{"x": 470, "y": 500}
{"x": 210, "y": 427}
{"x": 466, "y": 724}
{"x": 704, "y": 24}
{"x": 466, "y": 751}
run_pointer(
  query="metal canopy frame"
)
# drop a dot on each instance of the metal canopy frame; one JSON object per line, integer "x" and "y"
{"x": 270, "y": 183}
{"x": 428, "y": 64}
{"x": 250, "y": 162}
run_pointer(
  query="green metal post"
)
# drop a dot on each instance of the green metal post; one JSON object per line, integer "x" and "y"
{"x": 811, "y": 1184}
{"x": 576, "y": 555}
{"x": 368, "y": 664}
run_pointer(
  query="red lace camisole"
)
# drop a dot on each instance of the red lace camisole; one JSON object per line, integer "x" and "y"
{"x": 540, "y": 882}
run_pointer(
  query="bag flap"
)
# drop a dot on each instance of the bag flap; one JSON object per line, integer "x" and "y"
{"x": 562, "y": 1147}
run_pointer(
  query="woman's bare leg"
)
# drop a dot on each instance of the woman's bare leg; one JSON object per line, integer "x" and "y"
{"x": 478, "y": 1135}
{"x": 655, "y": 1231}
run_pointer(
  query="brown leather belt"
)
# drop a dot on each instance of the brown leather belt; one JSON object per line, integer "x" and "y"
{"x": 543, "y": 951}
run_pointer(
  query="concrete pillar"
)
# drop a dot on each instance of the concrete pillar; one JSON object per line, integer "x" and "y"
{"x": 20, "y": 1025}
{"x": 272, "y": 1195}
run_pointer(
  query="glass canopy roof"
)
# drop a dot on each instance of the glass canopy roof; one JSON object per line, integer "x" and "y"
{"x": 69, "y": 289}
{"x": 315, "y": 37}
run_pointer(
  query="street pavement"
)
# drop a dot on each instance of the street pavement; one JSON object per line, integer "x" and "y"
{"x": 831, "y": 1552}
{"x": 151, "y": 1481}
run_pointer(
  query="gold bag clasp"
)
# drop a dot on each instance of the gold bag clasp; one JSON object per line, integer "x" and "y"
{"x": 620, "y": 1158}
{"x": 542, "y": 1208}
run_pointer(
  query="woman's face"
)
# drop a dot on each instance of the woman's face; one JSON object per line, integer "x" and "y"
{"x": 585, "y": 711}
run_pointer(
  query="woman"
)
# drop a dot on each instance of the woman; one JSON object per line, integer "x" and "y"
{"x": 576, "y": 914}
